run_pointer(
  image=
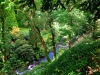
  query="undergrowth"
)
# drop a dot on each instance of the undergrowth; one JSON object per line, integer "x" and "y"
{"x": 82, "y": 59}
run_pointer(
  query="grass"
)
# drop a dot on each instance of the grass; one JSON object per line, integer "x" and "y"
{"x": 24, "y": 30}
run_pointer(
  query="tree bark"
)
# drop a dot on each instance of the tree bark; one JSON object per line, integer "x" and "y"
{"x": 70, "y": 34}
{"x": 4, "y": 57}
{"x": 53, "y": 36}
{"x": 36, "y": 29}
{"x": 43, "y": 42}
{"x": 93, "y": 32}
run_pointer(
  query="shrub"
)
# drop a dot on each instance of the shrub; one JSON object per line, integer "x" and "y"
{"x": 19, "y": 43}
{"x": 25, "y": 52}
{"x": 39, "y": 54}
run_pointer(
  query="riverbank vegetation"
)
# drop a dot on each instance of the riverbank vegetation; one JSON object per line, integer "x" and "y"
{"x": 81, "y": 59}
{"x": 56, "y": 37}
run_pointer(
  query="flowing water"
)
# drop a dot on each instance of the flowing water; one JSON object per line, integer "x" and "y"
{"x": 50, "y": 54}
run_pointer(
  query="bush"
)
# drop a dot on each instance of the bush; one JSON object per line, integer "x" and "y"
{"x": 25, "y": 52}
{"x": 73, "y": 61}
{"x": 39, "y": 54}
{"x": 19, "y": 40}
{"x": 19, "y": 43}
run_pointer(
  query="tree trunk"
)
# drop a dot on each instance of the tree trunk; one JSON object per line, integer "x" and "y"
{"x": 70, "y": 34}
{"x": 53, "y": 36}
{"x": 36, "y": 29}
{"x": 3, "y": 26}
{"x": 69, "y": 41}
{"x": 93, "y": 32}
{"x": 4, "y": 57}
{"x": 42, "y": 41}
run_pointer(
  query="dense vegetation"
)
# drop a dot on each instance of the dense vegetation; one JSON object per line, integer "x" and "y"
{"x": 82, "y": 59}
{"x": 31, "y": 29}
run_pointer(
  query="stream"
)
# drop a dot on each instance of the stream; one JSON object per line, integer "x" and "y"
{"x": 50, "y": 54}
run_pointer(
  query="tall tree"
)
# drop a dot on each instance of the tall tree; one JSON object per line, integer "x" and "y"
{"x": 8, "y": 20}
{"x": 50, "y": 23}
{"x": 32, "y": 5}
{"x": 92, "y": 7}
{"x": 36, "y": 29}
{"x": 2, "y": 11}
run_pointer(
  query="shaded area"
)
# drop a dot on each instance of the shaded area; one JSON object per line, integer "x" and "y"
{"x": 34, "y": 63}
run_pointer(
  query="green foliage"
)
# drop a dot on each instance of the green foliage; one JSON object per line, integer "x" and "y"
{"x": 20, "y": 39}
{"x": 10, "y": 18}
{"x": 32, "y": 36}
{"x": 7, "y": 20}
{"x": 73, "y": 61}
{"x": 11, "y": 64}
{"x": 49, "y": 5}
{"x": 37, "y": 69}
{"x": 30, "y": 3}
{"x": 15, "y": 62}
{"x": 64, "y": 17}
{"x": 7, "y": 69}
{"x": 25, "y": 52}
{"x": 97, "y": 30}
{"x": 19, "y": 43}
{"x": 22, "y": 18}
{"x": 39, "y": 53}
{"x": 72, "y": 23}
{"x": 91, "y": 6}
